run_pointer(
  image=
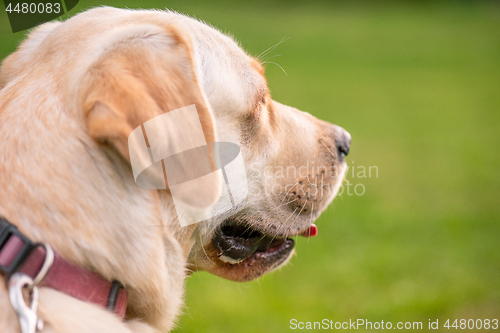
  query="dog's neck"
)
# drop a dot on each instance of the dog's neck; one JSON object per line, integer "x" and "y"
{"x": 60, "y": 187}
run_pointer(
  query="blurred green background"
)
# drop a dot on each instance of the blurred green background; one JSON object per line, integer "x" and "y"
{"x": 417, "y": 84}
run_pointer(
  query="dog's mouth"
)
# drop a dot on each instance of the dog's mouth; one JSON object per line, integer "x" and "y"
{"x": 237, "y": 243}
{"x": 241, "y": 251}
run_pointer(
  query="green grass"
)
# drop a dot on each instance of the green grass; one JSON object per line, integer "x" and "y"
{"x": 418, "y": 87}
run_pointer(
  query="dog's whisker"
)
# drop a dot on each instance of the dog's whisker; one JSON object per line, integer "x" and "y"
{"x": 274, "y": 56}
{"x": 196, "y": 262}
{"x": 258, "y": 282}
{"x": 322, "y": 186}
{"x": 327, "y": 148}
{"x": 189, "y": 314}
{"x": 292, "y": 226}
{"x": 272, "y": 62}
{"x": 288, "y": 192}
{"x": 286, "y": 203}
{"x": 312, "y": 210}
{"x": 249, "y": 228}
{"x": 270, "y": 49}
{"x": 312, "y": 218}
{"x": 267, "y": 51}
{"x": 291, "y": 215}
{"x": 273, "y": 238}
{"x": 263, "y": 236}
{"x": 310, "y": 183}
{"x": 298, "y": 215}
{"x": 206, "y": 255}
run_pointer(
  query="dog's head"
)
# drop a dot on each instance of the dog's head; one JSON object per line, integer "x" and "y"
{"x": 295, "y": 165}
{"x": 128, "y": 67}
{"x": 294, "y": 162}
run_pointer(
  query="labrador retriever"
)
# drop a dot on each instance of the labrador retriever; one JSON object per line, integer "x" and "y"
{"x": 70, "y": 97}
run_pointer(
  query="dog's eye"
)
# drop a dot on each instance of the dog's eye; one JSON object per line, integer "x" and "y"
{"x": 260, "y": 105}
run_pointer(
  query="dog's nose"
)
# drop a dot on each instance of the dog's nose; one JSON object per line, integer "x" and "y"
{"x": 343, "y": 142}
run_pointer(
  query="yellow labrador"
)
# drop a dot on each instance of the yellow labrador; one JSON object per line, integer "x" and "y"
{"x": 72, "y": 94}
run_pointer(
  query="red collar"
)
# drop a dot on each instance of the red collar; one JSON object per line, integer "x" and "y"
{"x": 19, "y": 254}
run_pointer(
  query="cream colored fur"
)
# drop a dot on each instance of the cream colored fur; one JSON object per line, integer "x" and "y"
{"x": 70, "y": 96}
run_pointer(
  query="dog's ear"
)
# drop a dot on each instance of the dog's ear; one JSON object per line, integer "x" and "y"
{"x": 142, "y": 74}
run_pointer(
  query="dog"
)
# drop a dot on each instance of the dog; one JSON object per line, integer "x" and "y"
{"x": 70, "y": 97}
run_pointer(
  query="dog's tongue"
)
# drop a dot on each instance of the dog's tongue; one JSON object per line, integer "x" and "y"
{"x": 311, "y": 232}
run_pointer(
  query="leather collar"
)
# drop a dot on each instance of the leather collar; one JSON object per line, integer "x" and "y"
{"x": 48, "y": 269}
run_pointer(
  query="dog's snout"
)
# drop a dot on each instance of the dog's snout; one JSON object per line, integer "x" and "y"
{"x": 343, "y": 142}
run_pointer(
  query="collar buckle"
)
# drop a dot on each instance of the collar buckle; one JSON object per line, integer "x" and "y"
{"x": 10, "y": 236}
